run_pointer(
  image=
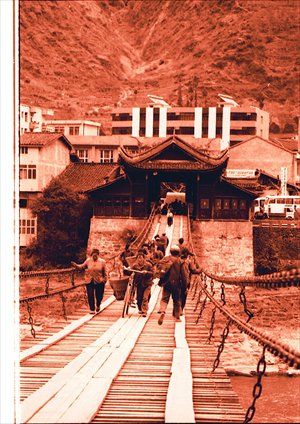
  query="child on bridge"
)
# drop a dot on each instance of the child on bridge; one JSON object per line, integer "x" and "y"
{"x": 95, "y": 277}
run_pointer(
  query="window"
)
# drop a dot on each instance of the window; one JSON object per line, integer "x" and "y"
{"x": 27, "y": 226}
{"x": 226, "y": 204}
{"x": 23, "y": 203}
{"x": 59, "y": 129}
{"x": 74, "y": 130}
{"x": 26, "y": 117}
{"x": 242, "y": 204}
{"x": 122, "y": 130}
{"x": 83, "y": 155}
{"x": 187, "y": 116}
{"x": 121, "y": 117}
{"x": 218, "y": 203}
{"x": 27, "y": 172}
{"x": 186, "y": 130}
{"x": 204, "y": 203}
{"x": 106, "y": 156}
{"x": 24, "y": 150}
{"x": 235, "y": 204}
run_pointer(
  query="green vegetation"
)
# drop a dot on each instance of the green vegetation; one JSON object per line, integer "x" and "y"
{"x": 63, "y": 226}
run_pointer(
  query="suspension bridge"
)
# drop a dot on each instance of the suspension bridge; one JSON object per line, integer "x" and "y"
{"x": 104, "y": 368}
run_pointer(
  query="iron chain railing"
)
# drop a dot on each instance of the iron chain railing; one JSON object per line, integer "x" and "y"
{"x": 257, "y": 389}
{"x": 212, "y": 324}
{"x": 221, "y": 345}
{"x": 243, "y": 300}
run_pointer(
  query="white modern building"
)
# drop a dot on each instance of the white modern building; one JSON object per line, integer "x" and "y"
{"x": 228, "y": 121}
{"x": 32, "y": 118}
{"x": 73, "y": 127}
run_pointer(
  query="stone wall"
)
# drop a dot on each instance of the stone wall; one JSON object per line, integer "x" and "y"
{"x": 105, "y": 233}
{"x": 224, "y": 247}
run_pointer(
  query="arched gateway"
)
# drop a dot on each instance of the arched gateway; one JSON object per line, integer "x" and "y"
{"x": 138, "y": 181}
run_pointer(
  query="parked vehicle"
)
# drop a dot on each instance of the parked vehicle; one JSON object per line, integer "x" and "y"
{"x": 281, "y": 206}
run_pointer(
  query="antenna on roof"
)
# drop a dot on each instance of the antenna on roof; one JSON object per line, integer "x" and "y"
{"x": 157, "y": 101}
{"x": 227, "y": 100}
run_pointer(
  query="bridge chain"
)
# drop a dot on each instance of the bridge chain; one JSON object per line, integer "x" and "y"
{"x": 276, "y": 280}
{"x": 63, "y": 299}
{"x": 212, "y": 324}
{"x": 221, "y": 345}
{"x": 287, "y": 354}
{"x": 257, "y": 388}
{"x": 201, "y": 310}
{"x": 30, "y": 319}
{"x": 243, "y": 300}
{"x": 194, "y": 287}
{"x": 223, "y": 294}
{"x": 48, "y": 273}
{"x": 47, "y": 285}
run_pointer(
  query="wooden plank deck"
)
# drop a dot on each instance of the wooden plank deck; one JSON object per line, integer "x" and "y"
{"x": 114, "y": 370}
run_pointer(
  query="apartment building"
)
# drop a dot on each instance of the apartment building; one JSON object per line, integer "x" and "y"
{"x": 228, "y": 121}
{"x": 73, "y": 127}
{"x": 42, "y": 157}
{"x": 32, "y": 117}
{"x": 101, "y": 149}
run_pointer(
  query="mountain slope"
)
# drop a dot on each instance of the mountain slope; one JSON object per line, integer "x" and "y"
{"x": 83, "y": 57}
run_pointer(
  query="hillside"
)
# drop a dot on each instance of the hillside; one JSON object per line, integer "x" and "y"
{"x": 83, "y": 57}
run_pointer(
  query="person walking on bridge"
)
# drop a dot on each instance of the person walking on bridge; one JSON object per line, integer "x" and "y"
{"x": 143, "y": 281}
{"x": 95, "y": 277}
{"x": 172, "y": 278}
{"x": 188, "y": 269}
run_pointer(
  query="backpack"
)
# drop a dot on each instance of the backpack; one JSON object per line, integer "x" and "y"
{"x": 165, "y": 266}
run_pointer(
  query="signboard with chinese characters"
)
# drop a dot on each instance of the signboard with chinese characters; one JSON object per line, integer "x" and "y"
{"x": 240, "y": 173}
{"x": 283, "y": 179}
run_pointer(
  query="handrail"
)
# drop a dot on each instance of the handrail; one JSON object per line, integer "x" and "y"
{"x": 287, "y": 354}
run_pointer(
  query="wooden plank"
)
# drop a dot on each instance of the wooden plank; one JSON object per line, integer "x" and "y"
{"x": 28, "y": 353}
{"x": 92, "y": 395}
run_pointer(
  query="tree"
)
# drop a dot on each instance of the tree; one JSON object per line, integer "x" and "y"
{"x": 274, "y": 128}
{"x": 288, "y": 128}
{"x": 63, "y": 217}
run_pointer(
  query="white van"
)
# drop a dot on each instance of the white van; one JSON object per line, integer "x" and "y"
{"x": 281, "y": 206}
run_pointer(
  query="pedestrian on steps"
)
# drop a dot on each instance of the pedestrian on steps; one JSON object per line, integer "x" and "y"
{"x": 172, "y": 277}
{"x": 95, "y": 278}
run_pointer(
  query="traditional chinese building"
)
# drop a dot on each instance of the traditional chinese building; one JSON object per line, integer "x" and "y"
{"x": 130, "y": 187}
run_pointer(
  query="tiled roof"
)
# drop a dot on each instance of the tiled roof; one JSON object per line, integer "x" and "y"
{"x": 287, "y": 143}
{"x": 199, "y": 159}
{"x": 259, "y": 183}
{"x": 88, "y": 176}
{"x": 271, "y": 141}
{"x": 41, "y": 139}
{"x": 103, "y": 140}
